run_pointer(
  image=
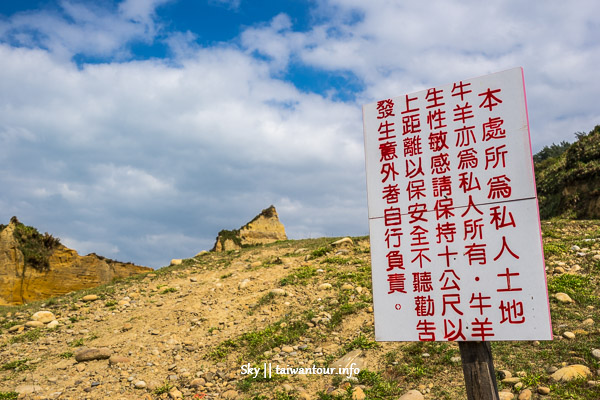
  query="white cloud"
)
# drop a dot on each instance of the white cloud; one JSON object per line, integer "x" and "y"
{"x": 158, "y": 156}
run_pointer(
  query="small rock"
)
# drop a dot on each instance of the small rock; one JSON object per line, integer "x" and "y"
{"x": 287, "y": 349}
{"x": 571, "y": 372}
{"x": 52, "y": 324}
{"x": 347, "y": 361}
{"x": 92, "y": 353}
{"x": 325, "y": 286}
{"x": 28, "y": 389}
{"x": 505, "y": 396}
{"x": 412, "y": 395}
{"x": 588, "y": 322}
{"x": 43, "y": 316}
{"x": 244, "y": 284}
{"x": 596, "y": 354}
{"x": 347, "y": 286}
{"x": 525, "y": 395}
{"x": 569, "y": 335}
{"x": 34, "y": 324}
{"x": 176, "y": 261}
{"x": 543, "y": 390}
{"x": 358, "y": 394}
{"x": 197, "y": 382}
{"x": 140, "y": 385}
{"x": 563, "y": 298}
{"x": 559, "y": 270}
{"x": 174, "y": 393}
{"x": 230, "y": 395}
{"x": 345, "y": 242}
{"x": 278, "y": 292}
{"x": 116, "y": 359}
{"x": 511, "y": 381}
{"x": 89, "y": 297}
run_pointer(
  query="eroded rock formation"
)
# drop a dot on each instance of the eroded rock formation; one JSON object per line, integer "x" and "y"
{"x": 264, "y": 228}
{"x": 29, "y": 273}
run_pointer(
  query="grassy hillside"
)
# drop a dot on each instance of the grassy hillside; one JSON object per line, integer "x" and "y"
{"x": 568, "y": 178}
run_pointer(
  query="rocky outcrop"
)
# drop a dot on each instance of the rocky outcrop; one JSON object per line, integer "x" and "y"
{"x": 264, "y": 228}
{"x": 29, "y": 273}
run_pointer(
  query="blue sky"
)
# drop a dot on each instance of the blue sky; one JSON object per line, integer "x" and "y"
{"x": 137, "y": 129}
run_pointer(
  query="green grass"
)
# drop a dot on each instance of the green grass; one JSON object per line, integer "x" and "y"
{"x": 578, "y": 287}
{"x": 17, "y": 366}
{"x": 9, "y": 395}
{"x": 29, "y": 336}
{"x": 299, "y": 277}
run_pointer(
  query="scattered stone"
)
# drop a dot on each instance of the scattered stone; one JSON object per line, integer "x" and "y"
{"x": 244, "y": 284}
{"x": 325, "y": 286}
{"x": 287, "y": 349}
{"x": 543, "y": 390}
{"x": 559, "y": 270}
{"x": 90, "y": 297}
{"x": 92, "y": 353}
{"x": 43, "y": 316}
{"x": 345, "y": 242}
{"x": 277, "y": 292}
{"x": 16, "y": 328}
{"x": 354, "y": 357}
{"x": 193, "y": 279}
{"x": 596, "y": 354}
{"x": 116, "y": 359}
{"x": 412, "y": 395}
{"x": 505, "y": 396}
{"x": 127, "y": 327}
{"x": 571, "y": 372}
{"x": 347, "y": 286}
{"x": 511, "y": 381}
{"x": 52, "y": 324}
{"x": 569, "y": 335}
{"x": 140, "y": 385}
{"x": 174, "y": 393}
{"x": 197, "y": 382}
{"x": 34, "y": 324}
{"x": 230, "y": 395}
{"x": 563, "y": 298}
{"x": 28, "y": 389}
{"x": 358, "y": 394}
{"x": 176, "y": 261}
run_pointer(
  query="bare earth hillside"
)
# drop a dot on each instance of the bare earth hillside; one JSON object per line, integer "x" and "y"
{"x": 192, "y": 331}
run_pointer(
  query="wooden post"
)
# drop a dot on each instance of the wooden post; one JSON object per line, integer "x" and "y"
{"x": 478, "y": 369}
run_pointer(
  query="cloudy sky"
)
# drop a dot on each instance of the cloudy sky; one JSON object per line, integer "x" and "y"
{"x": 137, "y": 129}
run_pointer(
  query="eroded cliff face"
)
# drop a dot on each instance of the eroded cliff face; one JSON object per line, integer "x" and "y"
{"x": 264, "y": 228}
{"x": 68, "y": 271}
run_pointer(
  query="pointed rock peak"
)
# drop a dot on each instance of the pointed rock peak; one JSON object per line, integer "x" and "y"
{"x": 264, "y": 228}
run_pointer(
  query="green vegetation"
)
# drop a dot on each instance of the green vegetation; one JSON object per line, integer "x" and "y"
{"x": 17, "y": 366}
{"x": 36, "y": 248}
{"x": 568, "y": 177}
{"x": 9, "y": 395}
{"x": 299, "y": 277}
{"x": 30, "y": 336}
{"x": 163, "y": 389}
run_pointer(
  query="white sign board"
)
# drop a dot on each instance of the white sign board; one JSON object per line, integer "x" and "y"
{"x": 456, "y": 247}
